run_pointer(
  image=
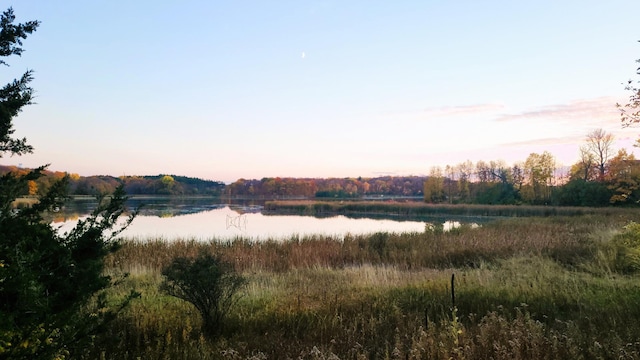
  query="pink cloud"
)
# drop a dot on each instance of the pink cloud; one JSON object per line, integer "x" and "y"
{"x": 601, "y": 109}
{"x": 448, "y": 111}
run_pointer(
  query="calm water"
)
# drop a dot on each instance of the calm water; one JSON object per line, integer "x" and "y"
{"x": 208, "y": 219}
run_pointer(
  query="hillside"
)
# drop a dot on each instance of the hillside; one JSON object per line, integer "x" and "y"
{"x": 134, "y": 185}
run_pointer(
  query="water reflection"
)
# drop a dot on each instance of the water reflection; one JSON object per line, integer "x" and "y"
{"x": 157, "y": 206}
{"x": 171, "y": 219}
{"x": 449, "y": 225}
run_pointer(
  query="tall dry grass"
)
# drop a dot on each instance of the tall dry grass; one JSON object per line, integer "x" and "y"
{"x": 564, "y": 239}
{"x": 526, "y": 288}
{"x": 414, "y": 208}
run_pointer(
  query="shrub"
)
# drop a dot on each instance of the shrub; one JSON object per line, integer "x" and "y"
{"x": 625, "y": 248}
{"x": 207, "y": 282}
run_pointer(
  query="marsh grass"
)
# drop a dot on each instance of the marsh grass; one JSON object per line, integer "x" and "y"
{"x": 526, "y": 288}
{"x": 567, "y": 240}
{"x": 415, "y": 208}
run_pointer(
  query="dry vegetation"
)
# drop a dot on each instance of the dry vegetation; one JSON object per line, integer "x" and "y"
{"x": 413, "y": 208}
{"x": 526, "y": 288}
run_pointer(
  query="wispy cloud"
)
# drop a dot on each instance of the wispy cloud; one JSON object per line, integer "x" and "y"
{"x": 549, "y": 141}
{"x": 448, "y": 111}
{"x": 600, "y": 109}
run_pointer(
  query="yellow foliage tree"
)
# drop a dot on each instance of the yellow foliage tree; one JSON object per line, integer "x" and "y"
{"x": 33, "y": 187}
{"x": 623, "y": 177}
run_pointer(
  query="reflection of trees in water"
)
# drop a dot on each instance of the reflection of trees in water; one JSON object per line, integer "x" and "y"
{"x": 163, "y": 207}
{"x": 445, "y": 222}
{"x": 165, "y": 211}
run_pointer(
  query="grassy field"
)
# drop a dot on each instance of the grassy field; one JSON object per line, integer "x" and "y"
{"x": 555, "y": 287}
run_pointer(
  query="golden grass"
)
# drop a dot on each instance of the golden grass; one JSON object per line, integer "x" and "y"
{"x": 527, "y": 288}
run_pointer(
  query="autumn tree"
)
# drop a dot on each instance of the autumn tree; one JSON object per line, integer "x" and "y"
{"x": 47, "y": 279}
{"x": 599, "y": 144}
{"x": 450, "y": 183}
{"x": 434, "y": 186}
{"x": 585, "y": 168}
{"x": 167, "y": 184}
{"x": 624, "y": 178}
{"x": 539, "y": 170}
{"x": 32, "y": 187}
{"x": 465, "y": 172}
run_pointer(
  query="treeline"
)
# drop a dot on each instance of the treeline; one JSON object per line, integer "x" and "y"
{"x": 133, "y": 185}
{"x": 330, "y": 187}
{"x": 608, "y": 181}
{"x": 266, "y": 187}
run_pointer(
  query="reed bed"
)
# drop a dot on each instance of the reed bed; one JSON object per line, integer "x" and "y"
{"x": 415, "y": 208}
{"x": 525, "y": 288}
{"x": 566, "y": 239}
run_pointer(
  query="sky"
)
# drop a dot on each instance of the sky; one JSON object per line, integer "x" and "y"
{"x": 223, "y": 90}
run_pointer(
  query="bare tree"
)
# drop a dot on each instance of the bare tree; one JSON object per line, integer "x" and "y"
{"x": 587, "y": 161}
{"x": 599, "y": 144}
{"x": 483, "y": 171}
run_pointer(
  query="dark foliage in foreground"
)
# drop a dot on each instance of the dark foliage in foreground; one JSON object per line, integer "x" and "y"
{"x": 207, "y": 282}
{"x": 51, "y": 284}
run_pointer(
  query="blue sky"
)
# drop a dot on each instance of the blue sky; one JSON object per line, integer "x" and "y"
{"x": 249, "y": 89}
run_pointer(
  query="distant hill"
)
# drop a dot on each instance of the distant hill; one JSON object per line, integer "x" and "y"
{"x": 171, "y": 185}
{"x": 134, "y": 185}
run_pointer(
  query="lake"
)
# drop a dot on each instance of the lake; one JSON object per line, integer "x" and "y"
{"x": 207, "y": 219}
